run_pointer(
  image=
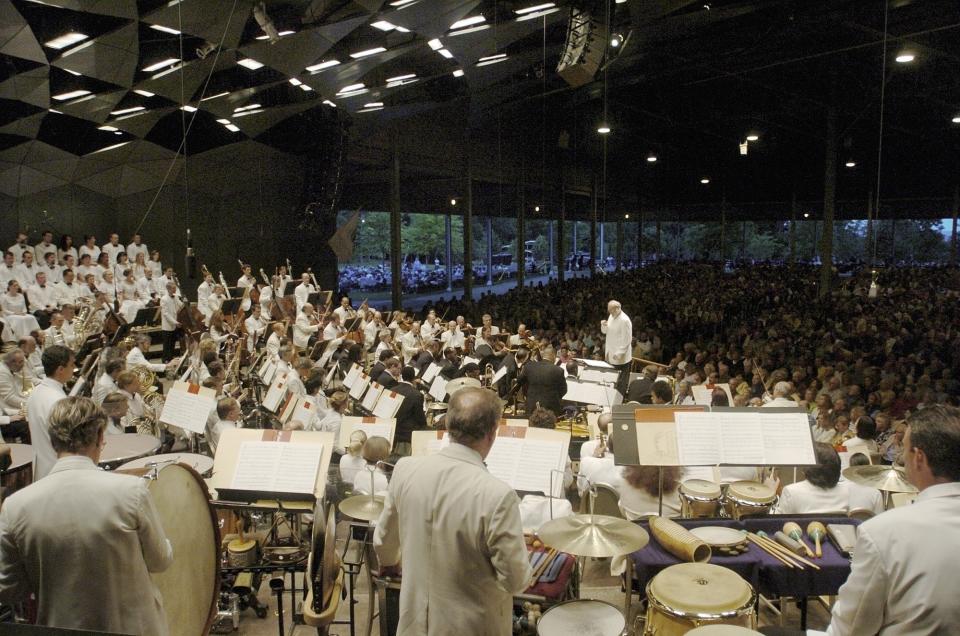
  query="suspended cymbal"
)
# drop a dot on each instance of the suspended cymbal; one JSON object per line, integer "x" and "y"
{"x": 887, "y": 478}
{"x": 593, "y": 535}
{"x": 362, "y": 507}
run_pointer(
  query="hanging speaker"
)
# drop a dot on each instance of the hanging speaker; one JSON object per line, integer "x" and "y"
{"x": 583, "y": 50}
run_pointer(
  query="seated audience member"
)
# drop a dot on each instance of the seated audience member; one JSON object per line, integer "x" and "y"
{"x": 822, "y": 490}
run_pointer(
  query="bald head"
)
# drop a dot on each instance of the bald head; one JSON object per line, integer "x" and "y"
{"x": 782, "y": 389}
{"x": 473, "y": 414}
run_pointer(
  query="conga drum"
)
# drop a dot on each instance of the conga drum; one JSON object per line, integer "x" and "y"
{"x": 125, "y": 447}
{"x": 580, "y": 617}
{"x": 190, "y": 587}
{"x": 749, "y": 498}
{"x": 699, "y": 498}
{"x": 689, "y": 595}
{"x": 20, "y": 473}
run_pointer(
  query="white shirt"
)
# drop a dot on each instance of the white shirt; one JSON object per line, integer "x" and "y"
{"x": 803, "y": 498}
{"x": 361, "y": 482}
{"x": 85, "y": 538}
{"x": 214, "y": 432}
{"x": 344, "y": 314}
{"x": 330, "y": 423}
{"x": 112, "y": 251}
{"x": 302, "y": 330}
{"x": 204, "y": 290}
{"x": 133, "y": 250}
{"x": 902, "y": 565}
{"x": 54, "y": 273}
{"x": 452, "y": 339}
{"x": 169, "y": 307}
{"x": 273, "y": 344}
{"x": 350, "y": 466}
{"x": 41, "y": 249}
{"x": 39, "y": 405}
{"x": 619, "y": 332}
{"x": 9, "y": 273}
{"x": 445, "y": 515}
{"x": 17, "y": 250}
{"x": 42, "y": 297}
{"x": 104, "y": 386}
{"x": 332, "y": 332}
{"x": 135, "y": 358}
{"x": 67, "y": 294}
{"x": 28, "y": 274}
{"x": 781, "y": 402}
{"x": 94, "y": 253}
{"x": 302, "y": 292}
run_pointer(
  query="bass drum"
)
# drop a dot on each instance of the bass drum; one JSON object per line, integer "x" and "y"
{"x": 190, "y": 586}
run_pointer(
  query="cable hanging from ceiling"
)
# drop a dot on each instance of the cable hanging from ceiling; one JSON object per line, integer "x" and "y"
{"x": 883, "y": 94}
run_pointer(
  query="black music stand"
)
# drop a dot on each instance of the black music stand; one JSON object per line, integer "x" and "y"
{"x": 147, "y": 317}
{"x": 313, "y": 298}
{"x": 290, "y": 288}
{"x": 231, "y": 306}
{"x": 352, "y": 324}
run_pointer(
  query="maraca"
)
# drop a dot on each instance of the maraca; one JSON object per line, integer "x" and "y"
{"x": 816, "y": 531}
{"x": 795, "y": 532}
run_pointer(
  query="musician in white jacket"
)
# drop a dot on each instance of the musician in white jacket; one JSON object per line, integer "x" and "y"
{"x": 616, "y": 348}
{"x": 83, "y": 540}
{"x": 304, "y": 327}
{"x": 457, "y": 530}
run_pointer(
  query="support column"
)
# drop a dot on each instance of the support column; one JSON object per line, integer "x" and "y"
{"x": 829, "y": 203}
{"x": 521, "y": 236}
{"x": 550, "y": 250}
{"x": 953, "y": 235}
{"x": 593, "y": 229}
{"x": 576, "y": 243}
{"x": 448, "y": 253}
{"x": 659, "y": 236}
{"x": 723, "y": 227}
{"x": 793, "y": 229}
{"x": 868, "y": 248}
{"x": 489, "y": 251}
{"x": 601, "y": 248}
{"x": 619, "y": 244}
{"x": 395, "y": 244}
{"x": 561, "y": 256}
{"x": 893, "y": 240}
{"x": 468, "y": 236}
{"x": 640, "y": 235}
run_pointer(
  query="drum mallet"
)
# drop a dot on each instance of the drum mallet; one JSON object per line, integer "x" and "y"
{"x": 795, "y": 532}
{"x": 816, "y": 531}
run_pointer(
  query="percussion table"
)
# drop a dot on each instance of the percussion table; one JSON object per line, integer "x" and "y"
{"x": 120, "y": 449}
{"x": 20, "y": 473}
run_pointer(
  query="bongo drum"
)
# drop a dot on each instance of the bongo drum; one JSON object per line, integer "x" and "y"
{"x": 688, "y": 595}
{"x": 190, "y": 587}
{"x": 579, "y": 617}
{"x": 119, "y": 449}
{"x": 749, "y": 498}
{"x": 699, "y": 498}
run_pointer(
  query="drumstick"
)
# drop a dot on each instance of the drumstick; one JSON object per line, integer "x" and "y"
{"x": 775, "y": 547}
{"x": 795, "y": 556}
{"x": 789, "y": 564}
{"x": 538, "y": 572}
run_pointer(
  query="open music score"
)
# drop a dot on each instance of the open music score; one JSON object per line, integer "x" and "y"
{"x": 360, "y": 385}
{"x": 499, "y": 375}
{"x": 432, "y": 370}
{"x": 438, "y": 388}
{"x": 276, "y": 393}
{"x": 187, "y": 406}
{"x": 277, "y": 467}
{"x": 352, "y": 375}
{"x": 300, "y": 408}
{"x": 372, "y": 426}
{"x": 704, "y": 396}
{"x": 592, "y": 393}
{"x": 388, "y": 404}
{"x": 370, "y": 398}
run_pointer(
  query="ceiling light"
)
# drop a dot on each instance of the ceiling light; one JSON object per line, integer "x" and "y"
{"x": 351, "y": 88}
{"x": 322, "y": 65}
{"x": 373, "y": 105}
{"x": 536, "y": 7}
{"x": 66, "y": 40}
{"x": 383, "y": 25}
{"x": 370, "y": 110}
{"x": 232, "y": 128}
{"x": 122, "y": 143}
{"x": 400, "y": 78}
{"x": 453, "y": 201}
{"x": 223, "y": 94}
{"x": 400, "y": 3}
{"x": 492, "y": 59}
{"x": 124, "y": 111}
{"x": 117, "y": 132}
{"x": 362, "y": 91}
{"x": 240, "y": 109}
{"x": 539, "y": 14}
{"x": 479, "y": 27}
{"x": 188, "y": 108}
{"x": 329, "y": 103}
{"x": 536, "y": 208}
{"x": 459, "y": 24}
{"x": 753, "y": 137}
{"x": 72, "y": 72}
{"x": 140, "y": 91}
{"x": 905, "y": 57}
{"x": 280, "y": 35}
{"x": 401, "y": 29}
{"x": 851, "y": 164}
{"x": 652, "y": 159}
{"x": 705, "y": 181}
{"x": 223, "y": 121}
{"x": 250, "y": 64}
{"x": 108, "y": 128}
{"x": 435, "y": 44}
{"x": 295, "y": 81}
{"x": 616, "y": 40}
{"x": 458, "y": 72}
{"x": 367, "y": 53}
{"x": 806, "y": 215}
{"x": 603, "y": 129}
{"x": 163, "y": 29}
{"x": 62, "y": 97}
{"x": 956, "y": 119}
{"x": 77, "y": 48}
{"x": 248, "y": 112}
{"x": 305, "y": 88}
{"x": 445, "y": 53}
{"x": 160, "y": 65}
{"x": 54, "y": 110}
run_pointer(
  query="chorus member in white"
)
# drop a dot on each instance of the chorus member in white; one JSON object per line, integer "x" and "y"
{"x": 13, "y": 379}
{"x": 129, "y": 295}
{"x": 18, "y": 248}
{"x": 905, "y": 557}
{"x": 112, "y": 248}
{"x": 107, "y": 382}
{"x": 616, "y": 348}
{"x": 822, "y": 490}
{"x": 58, "y": 364}
{"x": 84, "y": 541}
{"x": 302, "y": 291}
{"x": 18, "y": 322}
{"x": 9, "y": 270}
{"x": 256, "y": 326}
{"x": 28, "y": 269}
{"x": 140, "y": 267}
{"x": 67, "y": 290}
{"x": 53, "y": 271}
{"x": 155, "y": 264}
{"x": 85, "y": 268}
{"x": 109, "y": 287}
{"x": 305, "y": 326}
{"x": 448, "y": 504}
{"x": 89, "y": 249}
{"x": 149, "y": 288}
{"x": 44, "y": 247}
{"x": 136, "y": 357}
{"x": 65, "y": 249}
{"x": 54, "y": 334}
{"x": 42, "y": 295}
{"x": 137, "y": 248}
{"x": 170, "y": 306}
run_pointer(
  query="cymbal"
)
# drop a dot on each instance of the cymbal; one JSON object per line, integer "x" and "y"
{"x": 456, "y": 384}
{"x": 362, "y": 507}
{"x": 886, "y": 478}
{"x": 593, "y": 535}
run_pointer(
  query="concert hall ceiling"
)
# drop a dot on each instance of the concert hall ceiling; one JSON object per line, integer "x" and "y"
{"x": 98, "y": 93}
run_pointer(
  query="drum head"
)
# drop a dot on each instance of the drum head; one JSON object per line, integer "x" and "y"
{"x": 722, "y": 630}
{"x": 189, "y": 587}
{"x": 580, "y": 617}
{"x": 200, "y": 463}
{"x": 719, "y": 536}
{"x": 751, "y": 491}
{"x": 700, "y": 488}
{"x": 700, "y": 588}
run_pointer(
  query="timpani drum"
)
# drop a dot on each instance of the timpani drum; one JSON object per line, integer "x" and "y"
{"x": 688, "y": 595}
{"x": 745, "y": 498}
{"x": 722, "y": 630}
{"x": 20, "y": 473}
{"x": 202, "y": 464}
{"x": 190, "y": 587}
{"x": 125, "y": 447}
{"x": 700, "y": 498}
{"x": 580, "y": 617}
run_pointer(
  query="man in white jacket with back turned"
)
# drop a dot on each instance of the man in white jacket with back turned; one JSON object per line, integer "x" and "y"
{"x": 617, "y": 347}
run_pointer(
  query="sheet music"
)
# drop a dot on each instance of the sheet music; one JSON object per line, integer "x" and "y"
{"x": 702, "y": 396}
{"x": 467, "y": 360}
{"x": 594, "y": 363}
{"x": 504, "y": 457}
{"x": 499, "y": 375}
{"x": 698, "y": 439}
{"x": 657, "y": 444}
{"x": 434, "y": 446}
{"x": 372, "y": 395}
{"x": 539, "y": 458}
{"x": 277, "y": 467}
{"x": 352, "y": 375}
{"x": 592, "y": 393}
{"x": 430, "y": 372}
{"x": 303, "y": 410}
{"x": 388, "y": 405}
{"x": 359, "y": 386}
{"x": 376, "y": 430}
{"x": 438, "y": 390}
{"x": 188, "y": 410}
{"x": 786, "y": 438}
{"x": 275, "y": 393}
{"x": 742, "y": 438}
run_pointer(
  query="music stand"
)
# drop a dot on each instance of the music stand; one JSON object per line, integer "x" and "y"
{"x": 290, "y": 287}
{"x": 231, "y": 306}
{"x": 313, "y": 298}
{"x": 147, "y": 317}
{"x": 352, "y": 324}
